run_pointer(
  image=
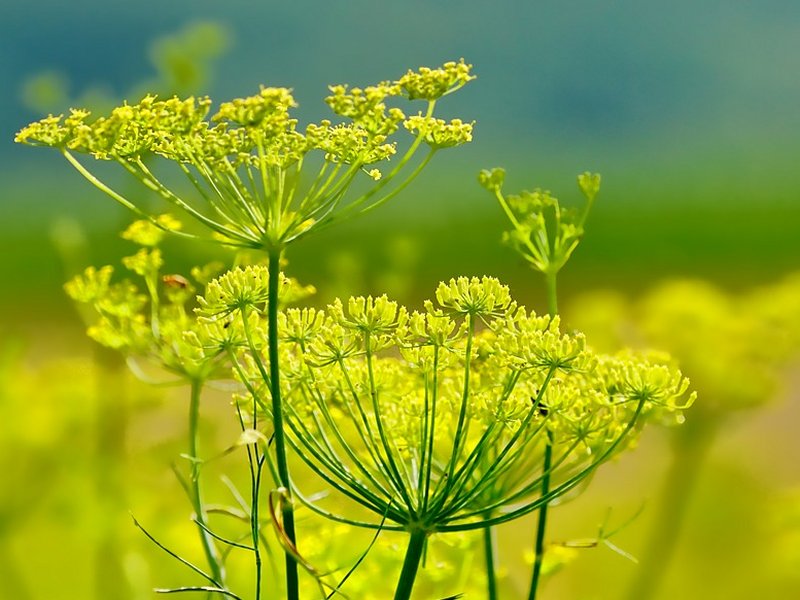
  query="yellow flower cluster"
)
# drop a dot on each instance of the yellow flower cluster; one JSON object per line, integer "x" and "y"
{"x": 432, "y": 84}
{"x": 438, "y": 133}
{"x": 441, "y": 415}
{"x": 246, "y": 161}
{"x": 543, "y": 232}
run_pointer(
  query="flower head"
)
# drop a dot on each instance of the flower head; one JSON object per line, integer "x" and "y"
{"x": 259, "y": 180}
{"x": 432, "y": 422}
{"x": 438, "y": 133}
{"x": 431, "y": 84}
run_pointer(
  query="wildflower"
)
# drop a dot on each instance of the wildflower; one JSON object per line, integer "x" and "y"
{"x": 450, "y": 422}
{"x": 432, "y": 84}
{"x": 543, "y": 232}
{"x": 439, "y": 133}
{"x": 485, "y": 297}
{"x": 250, "y": 165}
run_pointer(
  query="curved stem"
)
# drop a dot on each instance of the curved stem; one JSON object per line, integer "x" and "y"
{"x": 535, "y": 253}
{"x": 355, "y": 204}
{"x": 389, "y": 449}
{"x": 403, "y": 185}
{"x": 410, "y": 565}
{"x": 151, "y": 181}
{"x": 209, "y": 548}
{"x": 490, "y": 550}
{"x": 541, "y": 525}
{"x": 255, "y": 527}
{"x": 460, "y": 435}
{"x": 292, "y": 590}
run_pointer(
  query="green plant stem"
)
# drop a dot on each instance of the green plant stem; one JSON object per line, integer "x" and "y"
{"x": 552, "y": 296}
{"x": 209, "y": 548}
{"x": 541, "y": 524}
{"x": 254, "y": 522}
{"x": 410, "y": 565}
{"x": 292, "y": 590}
{"x": 489, "y": 550}
{"x": 693, "y": 441}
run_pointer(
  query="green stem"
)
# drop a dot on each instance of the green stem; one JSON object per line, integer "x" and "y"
{"x": 292, "y": 590}
{"x": 691, "y": 448}
{"x": 254, "y": 522}
{"x": 535, "y": 254}
{"x": 209, "y": 548}
{"x": 402, "y": 186}
{"x": 552, "y": 296}
{"x": 489, "y": 550}
{"x": 542, "y": 522}
{"x": 460, "y": 438}
{"x": 410, "y": 565}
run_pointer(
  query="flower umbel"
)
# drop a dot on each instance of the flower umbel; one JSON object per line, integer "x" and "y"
{"x": 259, "y": 181}
{"x": 543, "y": 232}
{"x": 441, "y": 423}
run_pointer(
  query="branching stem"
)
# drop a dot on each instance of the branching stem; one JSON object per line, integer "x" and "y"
{"x": 490, "y": 550}
{"x": 410, "y": 565}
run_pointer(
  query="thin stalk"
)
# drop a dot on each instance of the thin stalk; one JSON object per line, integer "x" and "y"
{"x": 431, "y": 430}
{"x": 222, "y": 205}
{"x": 458, "y": 523}
{"x": 410, "y": 565}
{"x": 535, "y": 253}
{"x": 107, "y": 190}
{"x": 552, "y": 296}
{"x": 402, "y": 186}
{"x": 209, "y": 548}
{"x": 256, "y": 464}
{"x": 294, "y": 181}
{"x": 292, "y": 590}
{"x": 391, "y": 175}
{"x": 542, "y": 522}
{"x": 315, "y": 195}
{"x": 499, "y": 461}
{"x": 329, "y": 420}
{"x": 307, "y": 443}
{"x": 144, "y": 175}
{"x": 388, "y": 448}
{"x": 368, "y": 438}
{"x": 490, "y": 550}
{"x": 689, "y": 453}
{"x": 255, "y": 528}
{"x": 460, "y": 435}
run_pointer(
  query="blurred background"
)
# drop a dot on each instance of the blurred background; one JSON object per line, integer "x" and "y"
{"x": 689, "y": 110}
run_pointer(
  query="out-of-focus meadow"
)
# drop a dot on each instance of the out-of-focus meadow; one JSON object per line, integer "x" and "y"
{"x": 690, "y": 112}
